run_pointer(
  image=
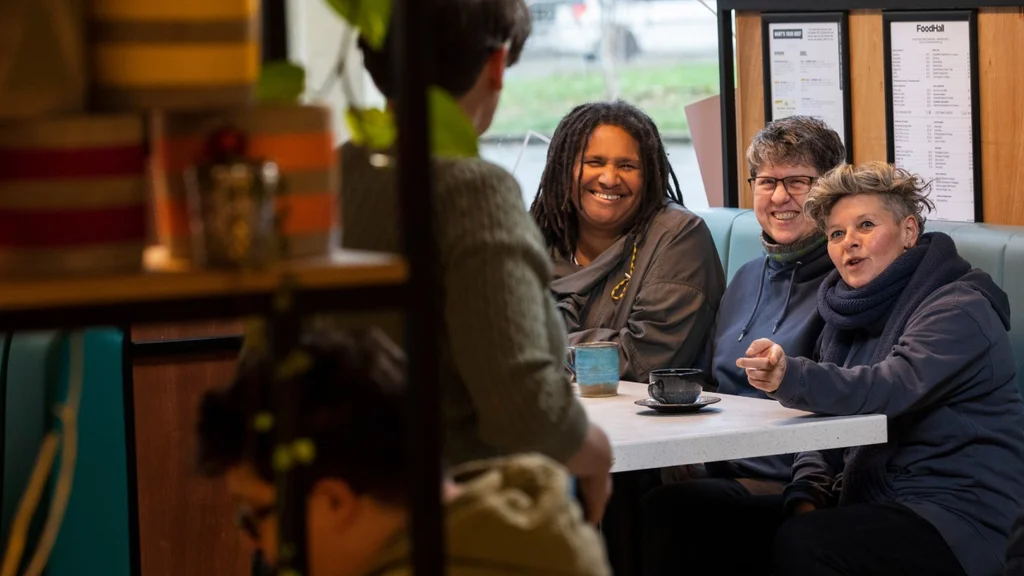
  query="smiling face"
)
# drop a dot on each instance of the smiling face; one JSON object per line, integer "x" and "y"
{"x": 865, "y": 237}
{"x": 781, "y": 212}
{"x": 612, "y": 184}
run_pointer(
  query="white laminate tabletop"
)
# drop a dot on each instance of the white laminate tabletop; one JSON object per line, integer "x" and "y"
{"x": 736, "y": 427}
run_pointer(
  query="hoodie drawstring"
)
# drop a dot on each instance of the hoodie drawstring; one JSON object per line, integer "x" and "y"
{"x": 789, "y": 294}
{"x": 757, "y": 302}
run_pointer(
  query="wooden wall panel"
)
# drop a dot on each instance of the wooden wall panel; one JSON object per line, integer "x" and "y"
{"x": 867, "y": 90}
{"x": 749, "y": 93}
{"x": 1001, "y": 69}
{"x": 185, "y": 521}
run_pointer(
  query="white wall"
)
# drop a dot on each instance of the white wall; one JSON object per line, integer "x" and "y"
{"x": 315, "y": 36}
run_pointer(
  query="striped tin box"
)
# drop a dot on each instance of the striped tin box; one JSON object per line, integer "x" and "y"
{"x": 174, "y": 54}
{"x": 297, "y": 138}
{"x": 72, "y": 195}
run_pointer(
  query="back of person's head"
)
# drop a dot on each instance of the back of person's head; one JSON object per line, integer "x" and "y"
{"x": 353, "y": 400}
{"x": 465, "y": 33}
{"x": 555, "y": 207}
{"x": 796, "y": 141}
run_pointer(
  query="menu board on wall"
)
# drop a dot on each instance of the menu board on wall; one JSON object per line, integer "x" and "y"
{"x": 931, "y": 74}
{"x": 806, "y": 70}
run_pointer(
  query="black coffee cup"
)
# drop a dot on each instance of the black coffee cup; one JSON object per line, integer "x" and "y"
{"x": 676, "y": 385}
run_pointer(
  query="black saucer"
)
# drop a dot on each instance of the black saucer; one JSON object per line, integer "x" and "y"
{"x": 704, "y": 400}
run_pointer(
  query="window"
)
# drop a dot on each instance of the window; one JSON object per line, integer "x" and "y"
{"x": 658, "y": 54}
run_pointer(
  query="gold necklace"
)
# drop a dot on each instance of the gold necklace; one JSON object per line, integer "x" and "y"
{"x": 620, "y": 289}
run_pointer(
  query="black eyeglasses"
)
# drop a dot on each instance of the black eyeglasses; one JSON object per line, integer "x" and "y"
{"x": 248, "y": 519}
{"x": 794, "y": 185}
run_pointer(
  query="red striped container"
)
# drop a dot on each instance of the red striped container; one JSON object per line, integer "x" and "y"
{"x": 297, "y": 138}
{"x": 72, "y": 196}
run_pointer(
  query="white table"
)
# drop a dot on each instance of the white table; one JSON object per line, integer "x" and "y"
{"x": 734, "y": 428}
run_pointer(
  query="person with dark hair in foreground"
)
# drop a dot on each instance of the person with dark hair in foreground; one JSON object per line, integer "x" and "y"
{"x": 502, "y": 516}
{"x": 632, "y": 265}
{"x": 504, "y": 388}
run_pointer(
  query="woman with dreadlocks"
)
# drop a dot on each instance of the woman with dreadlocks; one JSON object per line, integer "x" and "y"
{"x": 631, "y": 265}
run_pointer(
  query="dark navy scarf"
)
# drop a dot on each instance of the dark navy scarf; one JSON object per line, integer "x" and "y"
{"x": 885, "y": 304}
{"x": 882, "y": 307}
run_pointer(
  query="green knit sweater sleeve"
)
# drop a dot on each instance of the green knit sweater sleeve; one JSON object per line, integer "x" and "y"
{"x": 507, "y": 338}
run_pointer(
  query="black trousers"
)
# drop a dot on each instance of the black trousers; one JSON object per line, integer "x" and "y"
{"x": 876, "y": 539}
{"x": 621, "y": 525}
{"x": 716, "y": 526}
{"x": 708, "y": 526}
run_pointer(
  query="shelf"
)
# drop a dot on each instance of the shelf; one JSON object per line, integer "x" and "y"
{"x": 168, "y": 290}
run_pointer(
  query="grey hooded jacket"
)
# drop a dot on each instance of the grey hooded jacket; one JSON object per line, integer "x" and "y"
{"x": 669, "y": 305}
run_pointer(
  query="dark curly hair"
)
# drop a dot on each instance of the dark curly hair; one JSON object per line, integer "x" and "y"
{"x": 466, "y": 33}
{"x": 555, "y": 210}
{"x": 354, "y": 395}
{"x": 796, "y": 140}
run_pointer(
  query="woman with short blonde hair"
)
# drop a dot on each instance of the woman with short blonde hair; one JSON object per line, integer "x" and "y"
{"x": 912, "y": 332}
{"x": 903, "y": 193}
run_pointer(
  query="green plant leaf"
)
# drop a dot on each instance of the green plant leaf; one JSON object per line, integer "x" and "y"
{"x": 371, "y": 128}
{"x": 370, "y": 17}
{"x": 451, "y": 132}
{"x": 281, "y": 81}
{"x": 452, "y": 135}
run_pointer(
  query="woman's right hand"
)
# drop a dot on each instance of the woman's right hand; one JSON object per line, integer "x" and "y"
{"x": 765, "y": 365}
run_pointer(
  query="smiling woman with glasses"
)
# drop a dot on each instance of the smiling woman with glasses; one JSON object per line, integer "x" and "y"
{"x": 773, "y": 296}
{"x": 793, "y": 185}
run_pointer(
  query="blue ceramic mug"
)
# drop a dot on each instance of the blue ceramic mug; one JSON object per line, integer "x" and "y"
{"x": 595, "y": 366}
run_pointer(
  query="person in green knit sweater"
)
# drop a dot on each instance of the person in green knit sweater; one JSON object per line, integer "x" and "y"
{"x": 504, "y": 385}
{"x": 506, "y": 516}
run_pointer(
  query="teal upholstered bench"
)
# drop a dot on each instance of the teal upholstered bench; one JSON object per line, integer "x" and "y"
{"x": 94, "y": 537}
{"x": 998, "y": 250}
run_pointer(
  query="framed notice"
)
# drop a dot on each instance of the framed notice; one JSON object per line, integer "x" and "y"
{"x": 931, "y": 105}
{"x": 806, "y": 69}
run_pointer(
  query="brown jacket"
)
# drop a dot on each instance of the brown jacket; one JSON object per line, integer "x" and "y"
{"x": 670, "y": 303}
